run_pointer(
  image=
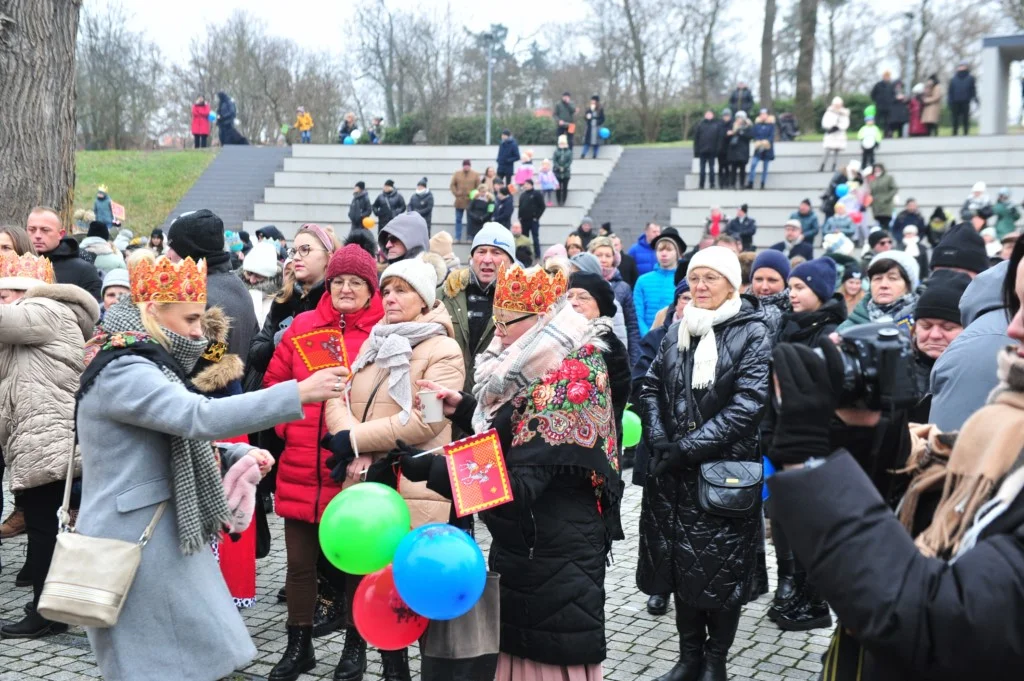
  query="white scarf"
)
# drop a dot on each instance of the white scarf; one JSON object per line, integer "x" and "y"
{"x": 911, "y": 247}
{"x": 700, "y": 322}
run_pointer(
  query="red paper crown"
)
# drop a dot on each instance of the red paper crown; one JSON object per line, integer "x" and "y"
{"x": 26, "y": 266}
{"x": 517, "y": 291}
{"x": 166, "y": 282}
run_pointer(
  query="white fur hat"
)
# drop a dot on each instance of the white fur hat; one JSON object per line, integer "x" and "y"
{"x": 262, "y": 259}
{"x": 418, "y": 274}
{"x": 720, "y": 259}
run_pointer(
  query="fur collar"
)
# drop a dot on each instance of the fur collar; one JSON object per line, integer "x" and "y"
{"x": 215, "y": 370}
{"x": 85, "y": 307}
{"x": 456, "y": 282}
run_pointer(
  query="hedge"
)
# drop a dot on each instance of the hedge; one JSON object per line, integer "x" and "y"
{"x": 677, "y": 123}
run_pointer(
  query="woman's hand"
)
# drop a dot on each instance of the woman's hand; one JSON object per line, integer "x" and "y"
{"x": 263, "y": 458}
{"x": 323, "y": 385}
{"x": 358, "y": 467}
{"x": 451, "y": 399}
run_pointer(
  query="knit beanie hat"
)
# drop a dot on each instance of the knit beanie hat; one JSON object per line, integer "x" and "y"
{"x": 587, "y": 262}
{"x": 819, "y": 275}
{"x": 495, "y": 234}
{"x": 353, "y": 259}
{"x": 941, "y": 296}
{"x": 851, "y": 271}
{"x": 722, "y": 260}
{"x": 156, "y": 233}
{"x": 99, "y": 229}
{"x": 773, "y": 260}
{"x": 198, "y": 234}
{"x": 963, "y": 248}
{"x": 876, "y": 236}
{"x": 907, "y": 264}
{"x": 232, "y": 241}
{"x": 596, "y": 286}
{"x": 418, "y": 274}
{"x": 441, "y": 243}
{"x": 115, "y": 277}
{"x": 262, "y": 260}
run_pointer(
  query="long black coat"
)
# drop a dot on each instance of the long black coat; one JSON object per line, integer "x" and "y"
{"x": 919, "y": 619}
{"x": 707, "y": 138}
{"x": 707, "y": 560}
{"x": 737, "y": 146}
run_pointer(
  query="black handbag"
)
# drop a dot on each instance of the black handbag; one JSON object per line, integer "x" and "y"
{"x": 730, "y": 488}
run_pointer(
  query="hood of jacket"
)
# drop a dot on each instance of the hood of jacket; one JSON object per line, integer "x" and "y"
{"x": 984, "y": 294}
{"x": 97, "y": 245}
{"x": 76, "y": 298}
{"x": 67, "y": 248}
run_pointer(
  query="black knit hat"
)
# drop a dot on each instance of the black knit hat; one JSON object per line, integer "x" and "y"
{"x": 941, "y": 297}
{"x": 157, "y": 232}
{"x": 97, "y": 228}
{"x": 877, "y": 236}
{"x": 389, "y": 183}
{"x": 852, "y": 271}
{"x": 962, "y": 248}
{"x": 198, "y": 235}
{"x": 360, "y": 185}
{"x": 595, "y": 285}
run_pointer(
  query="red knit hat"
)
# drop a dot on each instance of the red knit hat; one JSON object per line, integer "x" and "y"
{"x": 353, "y": 259}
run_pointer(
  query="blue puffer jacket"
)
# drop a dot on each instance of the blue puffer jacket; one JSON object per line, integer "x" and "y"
{"x": 653, "y": 291}
{"x": 643, "y": 254}
{"x": 508, "y": 154}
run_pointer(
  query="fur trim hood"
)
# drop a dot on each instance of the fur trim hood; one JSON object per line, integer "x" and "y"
{"x": 85, "y": 307}
{"x": 217, "y": 368}
{"x": 456, "y": 282}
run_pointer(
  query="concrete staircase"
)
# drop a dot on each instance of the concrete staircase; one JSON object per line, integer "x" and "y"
{"x": 643, "y": 188}
{"x": 937, "y": 171}
{"x": 315, "y": 184}
{"x": 231, "y": 184}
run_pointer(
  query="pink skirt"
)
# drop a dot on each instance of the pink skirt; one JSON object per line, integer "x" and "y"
{"x": 518, "y": 669}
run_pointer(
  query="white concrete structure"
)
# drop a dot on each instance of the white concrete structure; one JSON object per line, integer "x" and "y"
{"x": 997, "y": 54}
{"x": 937, "y": 171}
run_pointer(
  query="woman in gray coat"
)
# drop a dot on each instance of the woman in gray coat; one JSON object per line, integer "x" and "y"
{"x": 146, "y": 439}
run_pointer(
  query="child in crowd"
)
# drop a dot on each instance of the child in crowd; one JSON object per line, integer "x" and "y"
{"x": 839, "y": 222}
{"x": 548, "y": 181}
{"x": 869, "y": 135}
{"x": 525, "y": 171}
{"x": 304, "y": 124}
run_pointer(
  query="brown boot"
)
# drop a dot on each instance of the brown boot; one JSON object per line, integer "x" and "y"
{"x": 14, "y": 525}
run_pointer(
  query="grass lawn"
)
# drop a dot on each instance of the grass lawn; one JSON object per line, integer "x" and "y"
{"x": 147, "y": 183}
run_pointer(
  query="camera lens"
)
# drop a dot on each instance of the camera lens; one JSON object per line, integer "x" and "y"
{"x": 888, "y": 334}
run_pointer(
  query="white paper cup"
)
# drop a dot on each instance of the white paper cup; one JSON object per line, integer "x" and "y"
{"x": 433, "y": 409}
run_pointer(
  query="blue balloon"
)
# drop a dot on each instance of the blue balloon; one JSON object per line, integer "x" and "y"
{"x": 212, "y": 117}
{"x": 439, "y": 571}
{"x": 604, "y": 133}
{"x": 842, "y": 190}
{"x": 769, "y": 471}
{"x": 349, "y": 140}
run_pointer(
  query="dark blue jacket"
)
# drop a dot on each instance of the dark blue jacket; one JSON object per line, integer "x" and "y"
{"x": 503, "y": 209}
{"x": 765, "y": 131}
{"x": 508, "y": 154}
{"x": 962, "y": 88}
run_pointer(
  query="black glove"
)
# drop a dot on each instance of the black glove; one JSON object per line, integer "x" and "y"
{"x": 834, "y": 128}
{"x": 810, "y": 387}
{"x": 666, "y": 457}
{"x": 342, "y": 454}
{"x": 414, "y": 467}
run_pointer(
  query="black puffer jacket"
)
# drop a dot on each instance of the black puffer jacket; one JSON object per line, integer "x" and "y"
{"x": 708, "y": 561}
{"x": 807, "y": 328}
{"x": 776, "y": 306}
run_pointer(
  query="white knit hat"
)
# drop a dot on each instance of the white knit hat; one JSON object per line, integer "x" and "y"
{"x": 262, "y": 259}
{"x": 115, "y": 277}
{"x": 418, "y": 274}
{"x": 720, "y": 259}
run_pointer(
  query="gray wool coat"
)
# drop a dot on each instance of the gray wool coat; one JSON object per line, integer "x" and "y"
{"x": 178, "y": 621}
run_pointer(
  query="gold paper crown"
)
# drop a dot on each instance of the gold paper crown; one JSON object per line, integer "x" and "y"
{"x": 166, "y": 282}
{"x": 102, "y": 188}
{"x": 26, "y": 266}
{"x": 517, "y": 291}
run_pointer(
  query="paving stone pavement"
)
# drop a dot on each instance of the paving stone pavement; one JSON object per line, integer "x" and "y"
{"x": 640, "y": 647}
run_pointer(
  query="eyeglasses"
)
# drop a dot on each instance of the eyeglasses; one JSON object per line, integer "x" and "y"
{"x": 503, "y": 326}
{"x": 709, "y": 280}
{"x": 354, "y": 284}
{"x": 304, "y": 251}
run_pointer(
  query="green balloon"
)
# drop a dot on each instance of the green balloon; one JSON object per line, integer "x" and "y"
{"x": 362, "y": 527}
{"x": 631, "y": 429}
{"x": 284, "y": 129}
{"x": 869, "y": 110}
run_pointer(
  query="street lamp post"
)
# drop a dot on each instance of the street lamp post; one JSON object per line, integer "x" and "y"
{"x": 490, "y": 69}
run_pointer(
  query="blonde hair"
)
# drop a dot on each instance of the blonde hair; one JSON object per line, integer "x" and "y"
{"x": 152, "y": 326}
{"x": 288, "y": 275}
{"x": 601, "y": 242}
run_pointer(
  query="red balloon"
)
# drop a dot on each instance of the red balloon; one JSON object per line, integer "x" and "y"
{"x": 382, "y": 617}
{"x": 856, "y": 216}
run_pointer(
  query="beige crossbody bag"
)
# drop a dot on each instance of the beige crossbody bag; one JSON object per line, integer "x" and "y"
{"x": 89, "y": 577}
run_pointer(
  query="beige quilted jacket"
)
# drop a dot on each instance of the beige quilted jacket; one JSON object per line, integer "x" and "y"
{"x": 41, "y": 359}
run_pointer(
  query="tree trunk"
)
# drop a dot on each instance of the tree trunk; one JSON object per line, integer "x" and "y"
{"x": 804, "y": 104}
{"x": 37, "y": 78}
{"x": 767, "y": 54}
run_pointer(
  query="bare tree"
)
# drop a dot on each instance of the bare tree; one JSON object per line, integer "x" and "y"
{"x": 847, "y": 57}
{"x": 805, "y": 63}
{"x": 1014, "y": 10}
{"x": 767, "y": 54}
{"x": 37, "y": 78}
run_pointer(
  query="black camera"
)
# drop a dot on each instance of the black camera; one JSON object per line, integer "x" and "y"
{"x": 878, "y": 369}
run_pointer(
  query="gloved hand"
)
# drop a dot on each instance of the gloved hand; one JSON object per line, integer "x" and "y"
{"x": 806, "y": 393}
{"x": 415, "y": 468}
{"x": 342, "y": 454}
{"x": 666, "y": 457}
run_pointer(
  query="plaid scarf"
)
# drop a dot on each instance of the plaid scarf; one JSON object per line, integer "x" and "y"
{"x": 501, "y": 373}
{"x": 202, "y": 509}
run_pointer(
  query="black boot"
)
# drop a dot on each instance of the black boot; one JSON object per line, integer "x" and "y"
{"x": 809, "y": 611}
{"x": 33, "y": 625}
{"x": 396, "y": 665}
{"x": 692, "y": 629}
{"x": 352, "y": 664}
{"x": 329, "y": 614}
{"x": 785, "y": 591}
{"x": 657, "y": 604}
{"x": 282, "y": 595}
{"x": 722, "y": 625}
{"x": 299, "y": 657}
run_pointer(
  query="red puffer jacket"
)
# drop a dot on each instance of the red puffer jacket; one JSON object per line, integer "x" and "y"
{"x": 304, "y": 486}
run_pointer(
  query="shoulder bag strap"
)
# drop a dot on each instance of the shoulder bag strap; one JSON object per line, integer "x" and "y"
{"x": 373, "y": 394}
